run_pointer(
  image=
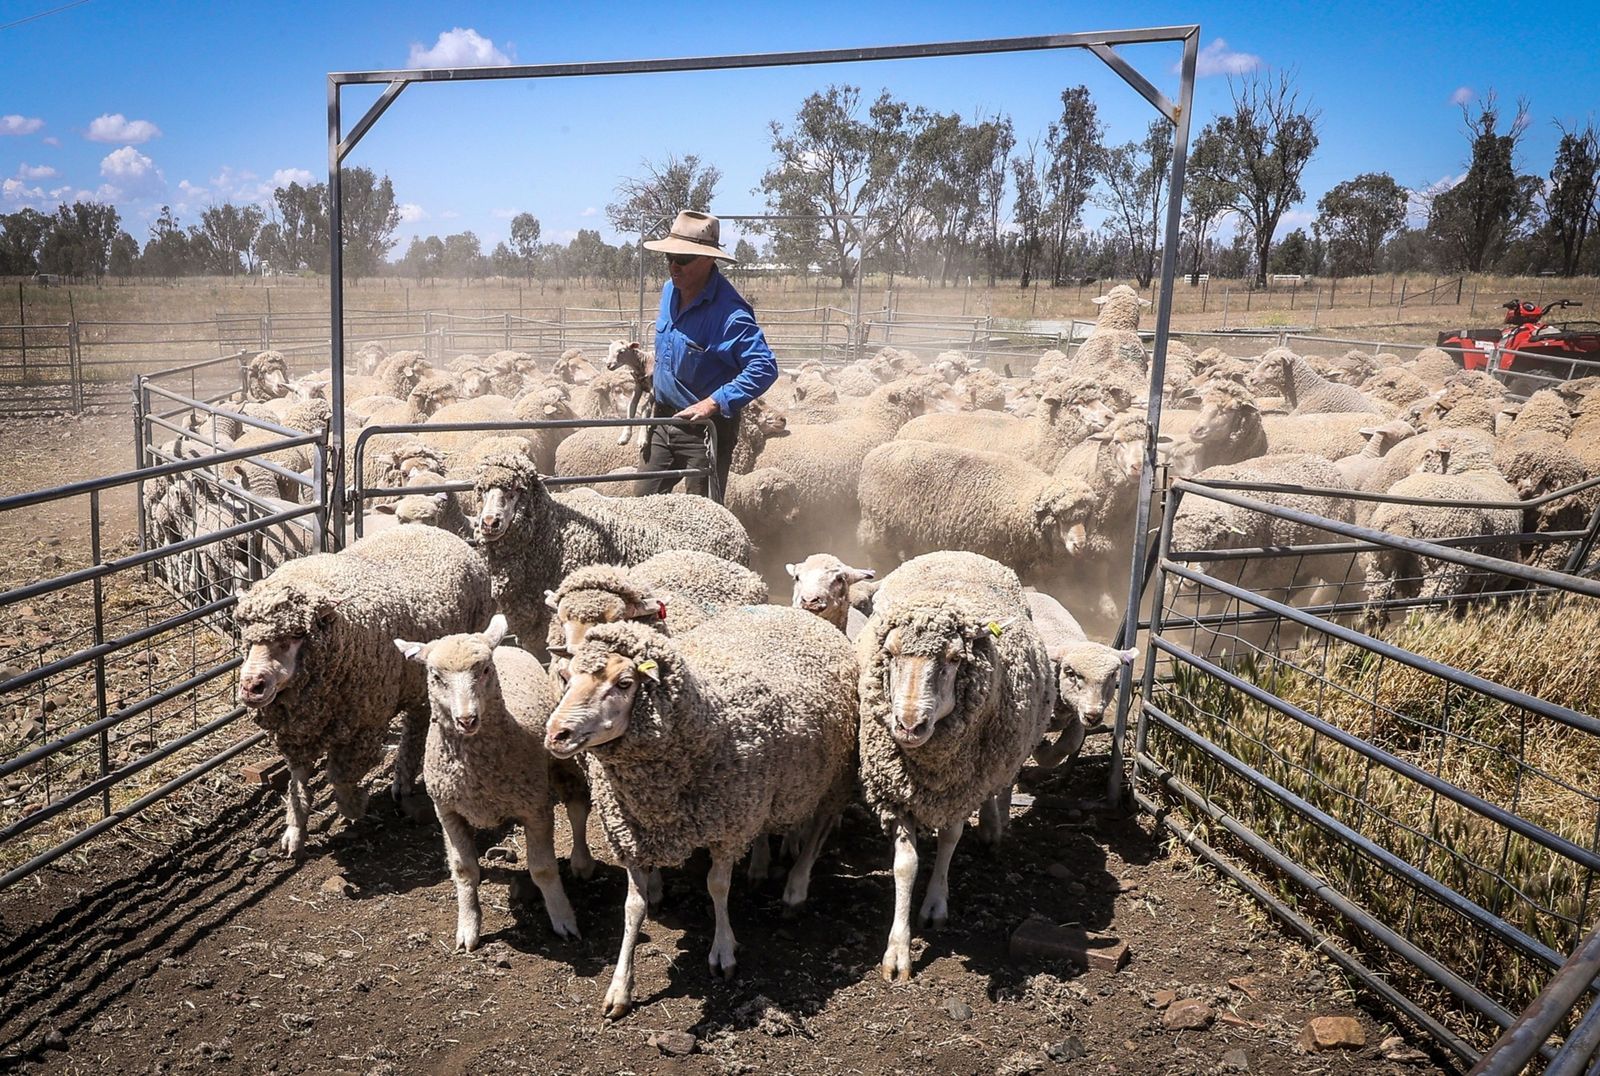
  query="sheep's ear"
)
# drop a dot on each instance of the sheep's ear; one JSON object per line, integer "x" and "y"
{"x": 327, "y": 608}
{"x": 793, "y": 570}
{"x": 1129, "y": 656}
{"x": 891, "y": 641}
{"x": 1369, "y": 431}
{"x": 442, "y": 498}
{"x": 1143, "y": 301}
{"x": 859, "y": 575}
{"x": 648, "y": 607}
{"x": 496, "y": 629}
{"x": 386, "y": 509}
{"x": 412, "y": 651}
{"x": 550, "y": 602}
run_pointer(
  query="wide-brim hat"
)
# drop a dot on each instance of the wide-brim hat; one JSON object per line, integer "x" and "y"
{"x": 692, "y": 233}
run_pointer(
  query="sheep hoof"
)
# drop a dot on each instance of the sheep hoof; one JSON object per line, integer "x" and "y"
{"x": 566, "y": 927}
{"x": 466, "y": 943}
{"x": 722, "y": 961}
{"x": 293, "y": 843}
{"x": 895, "y": 974}
{"x": 791, "y": 911}
{"x": 617, "y": 1004}
{"x": 583, "y": 869}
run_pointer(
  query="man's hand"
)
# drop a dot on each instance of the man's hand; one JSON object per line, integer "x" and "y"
{"x": 699, "y": 412}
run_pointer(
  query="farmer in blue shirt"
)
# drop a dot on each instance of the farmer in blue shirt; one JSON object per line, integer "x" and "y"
{"x": 711, "y": 357}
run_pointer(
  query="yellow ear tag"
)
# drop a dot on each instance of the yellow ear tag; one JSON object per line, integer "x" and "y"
{"x": 647, "y": 667}
{"x": 994, "y": 628}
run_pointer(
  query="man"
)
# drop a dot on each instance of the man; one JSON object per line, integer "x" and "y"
{"x": 711, "y": 356}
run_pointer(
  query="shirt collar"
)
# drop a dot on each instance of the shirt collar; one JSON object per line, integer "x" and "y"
{"x": 712, "y": 289}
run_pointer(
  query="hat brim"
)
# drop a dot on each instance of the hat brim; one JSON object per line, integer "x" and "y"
{"x": 671, "y": 245}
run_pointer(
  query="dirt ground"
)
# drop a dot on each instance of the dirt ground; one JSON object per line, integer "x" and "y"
{"x": 216, "y": 955}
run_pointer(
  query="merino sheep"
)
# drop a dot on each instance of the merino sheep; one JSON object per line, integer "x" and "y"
{"x": 1070, "y": 409}
{"x": 320, "y": 671}
{"x": 1546, "y": 411}
{"x": 266, "y": 376}
{"x": 1539, "y": 464}
{"x": 1228, "y": 430}
{"x": 485, "y": 764}
{"x": 1356, "y": 467}
{"x": 1309, "y": 393}
{"x": 956, "y": 690}
{"x": 993, "y": 504}
{"x": 1394, "y": 385}
{"x": 822, "y": 585}
{"x": 677, "y": 590}
{"x": 428, "y": 395}
{"x": 533, "y": 540}
{"x": 1332, "y": 436}
{"x": 572, "y": 368}
{"x": 1087, "y": 674}
{"x": 740, "y": 728}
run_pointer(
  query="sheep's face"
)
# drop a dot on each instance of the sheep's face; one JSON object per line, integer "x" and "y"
{"x": 498, "y": 509}
{"x": 771, "y": 496}
{"x": 1087, "y": 675}
{"x": 476, "y": 382}
{"x": 594, "y": 709}
{"x": 268, "y": 667}
{"x": 1222, "y": 416}
{"x": 625, "y": 354}
{"x": 1062, "y": 511}
{"x": 922, "y": 686}
{"x": 822, "y": 586}
{"x": 574, "y": 613}
{"x": 575, "y": 370}
{"x": 462, "y": 684}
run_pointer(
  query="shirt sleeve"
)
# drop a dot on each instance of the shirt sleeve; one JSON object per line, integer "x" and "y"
{"x": 757, "y": 368}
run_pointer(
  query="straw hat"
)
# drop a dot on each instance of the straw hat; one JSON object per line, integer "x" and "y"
{"x": 692, "y": 233}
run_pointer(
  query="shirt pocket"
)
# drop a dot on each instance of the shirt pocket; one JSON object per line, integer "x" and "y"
{"x": 705, "y": 369}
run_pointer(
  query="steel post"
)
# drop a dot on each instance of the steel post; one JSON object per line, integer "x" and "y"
{"x": 336, "y": 317}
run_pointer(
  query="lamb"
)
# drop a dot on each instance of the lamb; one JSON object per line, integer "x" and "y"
{"x": 532, "y": 540}
{"x": 1355, "y": 468}
{"x": 822, "y": 585}
{"x": 485, "y": 764}
{"x": 1228, "y": 430}
{"x": 1309, "y": 393}
{"x": 956, "y": 690}
{"x": 992, "y": 504}
{"x": 320, "y": 671}
{"x": 677, "y": 590}
{"x": 1087, "y": 675}
{"x": 740, "y": 728}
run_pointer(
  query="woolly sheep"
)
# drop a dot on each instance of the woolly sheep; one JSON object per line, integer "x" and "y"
{"x": 485, "y": 764}
{"x": 572, "y": 368}
{"x": 320, "y": 672}
{"x": 1538, "y": 464}
{"x": 991, "y": 503}
{"x": 369, "y": 355}
{"x": 398, "y": 374}
{"x": 956, "y": 690}
{"x": 1546, "y": 411}
{"x": 1432, "y": 366}
{"x": 1309, "y": 393}
{"x": 532, "y": 540}
{"x": 1070, "y": 410}
{"x": 428, "y": 395}
{"x": 740, "y": 728}
{"x": 1355, "y": 467}
{"x": 1331, "y": 436}
{"x": 1087, "y": 674}
{"x": 266, "y": 376}
{"x": 767, "y": 503}
{"x": 676, "y": 590}
{"x": 1394, "y": 385}
{"x": 822, "y": 585}
{"x": 1228, "y": 430}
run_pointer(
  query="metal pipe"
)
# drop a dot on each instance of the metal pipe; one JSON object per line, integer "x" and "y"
{"x": 1523, "y": 1038}
{"x": 336, "y": 154}
{"x": 1158, "y": 366}
{"x": 1580, "y": 1046}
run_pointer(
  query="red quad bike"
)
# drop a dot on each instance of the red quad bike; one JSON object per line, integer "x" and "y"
{"x": 1529, "y": 345}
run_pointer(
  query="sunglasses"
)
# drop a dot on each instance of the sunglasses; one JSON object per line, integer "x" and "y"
{"x": 680, "y": 260}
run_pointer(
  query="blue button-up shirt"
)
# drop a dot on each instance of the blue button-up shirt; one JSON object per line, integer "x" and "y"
{"x": 711, "y": 348}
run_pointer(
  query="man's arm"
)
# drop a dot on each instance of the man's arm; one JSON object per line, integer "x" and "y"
{"x": 758, "y": 369}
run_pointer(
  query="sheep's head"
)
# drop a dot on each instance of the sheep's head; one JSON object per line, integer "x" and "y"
{"x": 614, "y": 681}
{"x": 1090, "y": 402}
{"x": 1120, "y": 308}
{"x": 1122, "y": 445}
{"x": 768, "y": 494}
{"x": 276, "y": 618}
{"x": 626, "y": 354}
{"x": 925, "y": 651}
{"x": 1062, "y": 511}
{"x": 574, "y": 369}
{"x": 433, "y": 392}
{"x": 1271, "y": 373}
{"x": 462, "y": 684}
{"x": 822, "y": 585}
{"x": 269, "y": 376}
{"x": 767, "y": 418}
{"x": 548, "y": 404}
{"x": 1227, "y": 413}
{"x": 476, "y": 381}
{"x": 1086, "y": 680}
{"x": 369, "y": 356}
{"x": 811, "y": 388}
{"x": 503, "y": 485}
{"x": 1388, "y": 434}
{"x": 600, "y": 594}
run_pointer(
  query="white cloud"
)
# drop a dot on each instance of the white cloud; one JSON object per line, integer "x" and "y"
{"x": 127, "y": 163}
{"x": 1218, "y": 59}
{"x": 502, "y": 214}
{"x": 14, "y": 190}
{"x": 589, "y": 212}
{"x": 1419, "y": 199}
{"x": 285, "y": 176}
{"x": 61, "y": 192}
{"x": 19, "y": 125}
{"x": 36, "y": 171}
{"x": 115, "y": 127}
{"x": 51, "y": 140}
{"x": 411, "y": 212}
{"x": 458, "y": 48}
{"x": 1292, "y": 219}
{"x": 1463, "y": 95}
{"x": 449, "y": 214}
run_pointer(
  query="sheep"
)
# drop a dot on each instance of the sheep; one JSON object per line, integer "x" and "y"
{"x": 855, "y": 380}
{"x": 1432, "y": 366}
{"x": 1332, "y": 436}
{"x": 320, "y": 672}
{"x": 676, "y": 591}
{"x": 822, "y": 584}
{"x": 1457, "y": 406}
{"x": 1352, "y": 368}
{"x": 1399, "y": 573}
{"x": 1538, "y": 464}
{"x": 1309, "y": 393}
{"x": 369, "y": 355}
{"x": 310, "y": 417}
{"x": 767, "y": 503}
{"x": 485, "y": 408}
{"x": 1228, "y": 430}
{"x": 993, "y": 504}
{"x": 740, "y": 728}
{"x": 1546, "y": 411}
{"x": 532, "y": 540}
{"x": 572, "y": 368}
{"x": 485, "y": 764}
{"x": 266, "y": 376}
{"x": 398, "y": 374}
{"x": 1355, "y": 467}
{"x": 956, "y": 690}
{"x": 549, "y": 403}
{"x": 983, "y": 390}
{"x": 1394, "y": 385}
{"x": 368, "y": 406}
{"x": 428, "y": 395}
{"x": 1070, "y": 410}
{"x": 1087, "y": 674}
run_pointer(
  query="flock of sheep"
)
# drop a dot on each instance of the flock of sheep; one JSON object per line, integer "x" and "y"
{"x": 692, "y": 714}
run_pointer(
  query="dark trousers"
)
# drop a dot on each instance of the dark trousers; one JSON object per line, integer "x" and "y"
{"x": 672, "y": 448}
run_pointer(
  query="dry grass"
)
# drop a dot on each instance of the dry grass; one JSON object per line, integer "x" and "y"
{"x": 1512, "y": 758}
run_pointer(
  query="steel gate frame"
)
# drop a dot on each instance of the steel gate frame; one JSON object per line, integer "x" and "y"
{"x": 1100, "y": 42}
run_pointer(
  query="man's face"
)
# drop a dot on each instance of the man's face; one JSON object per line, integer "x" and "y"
{"x": 692, "y": 276}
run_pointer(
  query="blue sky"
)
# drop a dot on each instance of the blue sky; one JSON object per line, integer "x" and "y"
{"x": 190, "y": 103}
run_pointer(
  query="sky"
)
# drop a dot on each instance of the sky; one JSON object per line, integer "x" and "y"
{"x": 145, "y": 102}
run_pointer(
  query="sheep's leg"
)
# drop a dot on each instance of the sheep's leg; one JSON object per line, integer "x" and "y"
{"x": 293, "y": 841}
{"x": 619, "y": 996}
{"x": 539, "y": 832}
{"x": 1066, "y": 745}
{"x": 348, "y": 794}
{"x": 993, "y": 817}
{"x": 407, "y": 763}
{"x": 718, "y": 881}
{"x": 798, "y": 885}
{"x": 462, "y": 854}
{"x": 897, "y": 957}
{"x": 582, "y": 861}
{"x": 936, "y": 902}
{"x": 654, "y": 887}
{"x": 760, "y": 860}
